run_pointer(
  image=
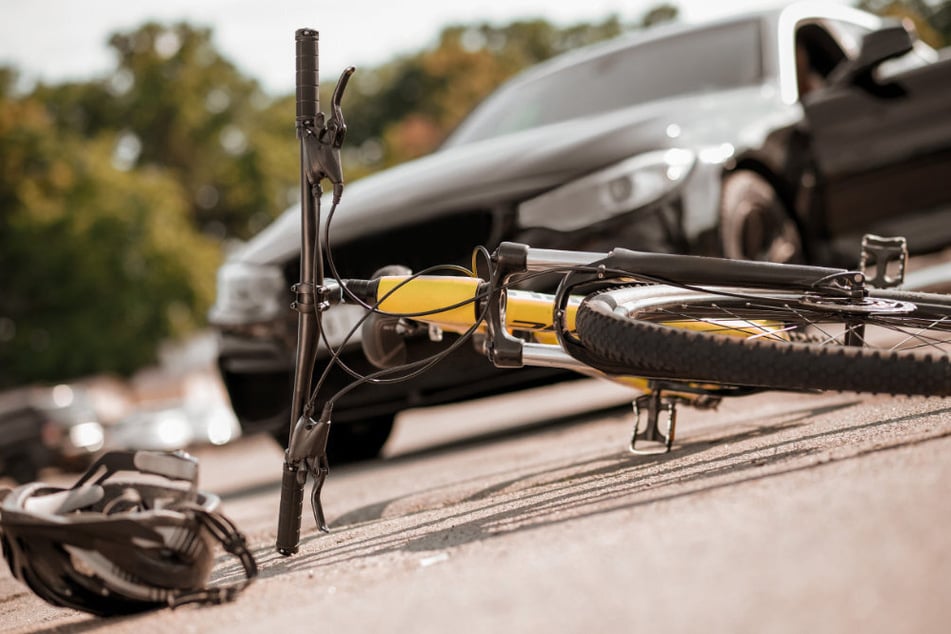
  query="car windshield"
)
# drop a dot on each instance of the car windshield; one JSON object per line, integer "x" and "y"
{"x": 720, "y": 57}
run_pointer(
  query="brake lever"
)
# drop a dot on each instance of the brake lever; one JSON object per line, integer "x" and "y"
{"x": 322, "y": 147}
{"x": 319, "y": 468}
{"x": 337, "y": 128}
{"x": 307, "y": 448}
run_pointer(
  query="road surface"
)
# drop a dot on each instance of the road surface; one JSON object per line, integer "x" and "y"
{"x": 775, "y": 513}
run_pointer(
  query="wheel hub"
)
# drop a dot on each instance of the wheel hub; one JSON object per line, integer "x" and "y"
{"x": 863, "y": 306}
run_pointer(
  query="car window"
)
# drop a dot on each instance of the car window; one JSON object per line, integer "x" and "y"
{"x": 823, "y": 52}
{"x": 817, "y": 55}
{"x": 721, "y": 57}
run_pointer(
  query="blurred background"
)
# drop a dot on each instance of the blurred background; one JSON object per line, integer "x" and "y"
{"x": 139, "y": 144}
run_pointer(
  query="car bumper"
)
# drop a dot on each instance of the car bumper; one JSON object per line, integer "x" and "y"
{"x": 259, "y": 378}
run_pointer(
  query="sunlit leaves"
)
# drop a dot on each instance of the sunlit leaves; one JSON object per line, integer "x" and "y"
{"x": 97, "y": 264}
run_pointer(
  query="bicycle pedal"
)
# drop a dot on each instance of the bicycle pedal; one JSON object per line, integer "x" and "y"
{"x": 655, "y": 436}
{"x": 884, "y": 254}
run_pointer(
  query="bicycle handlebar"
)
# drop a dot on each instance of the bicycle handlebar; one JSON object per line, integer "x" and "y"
{"x": 291, "y": 507}
{"x": 320, "y": 141}
{"x": 309, "y": 120}
{"x": 308, "y": 76}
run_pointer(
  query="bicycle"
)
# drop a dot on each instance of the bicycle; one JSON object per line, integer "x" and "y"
{"x": 682, "y": 329}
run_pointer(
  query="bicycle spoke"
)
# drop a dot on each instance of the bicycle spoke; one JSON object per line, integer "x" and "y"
{"x": 924, "y": 335}
{"x": 786, "y": 322}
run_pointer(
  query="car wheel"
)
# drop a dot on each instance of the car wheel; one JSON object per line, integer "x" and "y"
{"x": 353, "y": 441}
{"x": 754, "y": 223}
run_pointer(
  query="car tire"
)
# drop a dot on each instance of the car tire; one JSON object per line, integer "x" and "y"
{"x": 754, "y": 223}
{"x": 352, "y": 441}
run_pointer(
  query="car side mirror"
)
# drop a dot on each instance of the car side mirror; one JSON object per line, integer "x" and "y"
{"x": 889, "y": 42}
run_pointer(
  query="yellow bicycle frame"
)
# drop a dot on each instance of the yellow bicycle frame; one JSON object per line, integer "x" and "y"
{"x": 450, "y": 302}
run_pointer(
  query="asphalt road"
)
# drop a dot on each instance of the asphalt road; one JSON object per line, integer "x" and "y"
{"x": 775, "y": 513}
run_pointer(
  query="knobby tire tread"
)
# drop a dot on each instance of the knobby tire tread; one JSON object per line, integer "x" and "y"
{"x": 659, "y": 351}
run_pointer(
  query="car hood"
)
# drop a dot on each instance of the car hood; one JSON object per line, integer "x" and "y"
{"x": 511, "y": 167}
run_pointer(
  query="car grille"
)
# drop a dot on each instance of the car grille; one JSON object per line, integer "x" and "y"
{"x": 445, "y": 240}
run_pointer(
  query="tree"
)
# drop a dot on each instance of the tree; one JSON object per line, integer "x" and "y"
{"x": 176, "y": 103}
{"x": 932, "y": 19}
{"x": 658, "y": 15}
{"x": 97, "y": 264}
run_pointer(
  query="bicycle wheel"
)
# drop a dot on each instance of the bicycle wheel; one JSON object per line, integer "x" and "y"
{"x": 892, "y": 342}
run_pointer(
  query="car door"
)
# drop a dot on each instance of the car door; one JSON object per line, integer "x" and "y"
{"x": 882, "y": 154}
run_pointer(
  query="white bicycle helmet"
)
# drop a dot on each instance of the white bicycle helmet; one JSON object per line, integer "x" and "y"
{"x": 109, "y": 546}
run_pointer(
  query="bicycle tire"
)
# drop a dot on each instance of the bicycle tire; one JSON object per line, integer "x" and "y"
{"x": 644, "y": 345}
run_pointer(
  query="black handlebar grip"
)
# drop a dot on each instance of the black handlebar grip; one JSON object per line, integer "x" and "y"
{"x": 289, "y": 514}
{"x": 308, "y": 76}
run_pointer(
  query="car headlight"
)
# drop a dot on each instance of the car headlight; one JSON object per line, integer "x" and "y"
{"x": 618, "y": 189}
{"x": 88, "y": 436}
{"x": 249, "y": 293}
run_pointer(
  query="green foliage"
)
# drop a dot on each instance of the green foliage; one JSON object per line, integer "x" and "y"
{"x": 98, "y": 264}
{"x": 193, "y": 113}
{"x": 116, "y": 196}
{"x": 932, "y": 18}
{"x": 178, "y": 104}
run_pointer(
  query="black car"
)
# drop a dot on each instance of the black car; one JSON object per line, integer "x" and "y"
{"x": 784, "y": 135}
